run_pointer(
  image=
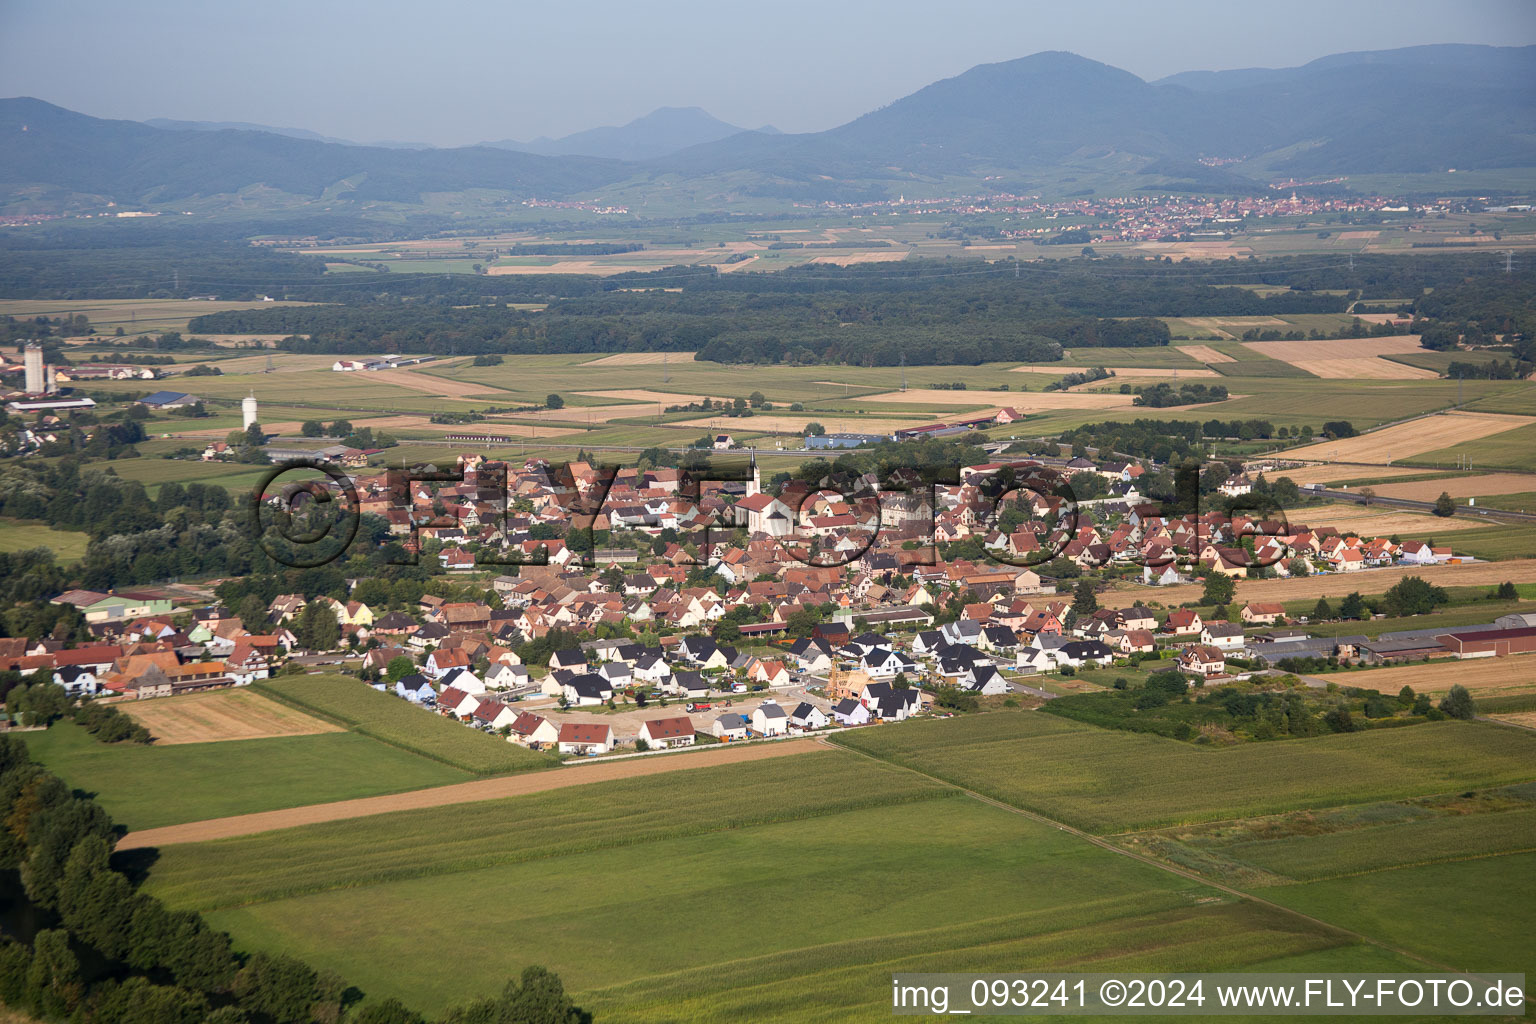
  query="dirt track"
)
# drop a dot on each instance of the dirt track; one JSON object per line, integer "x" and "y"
{"x": 460, "y": 793}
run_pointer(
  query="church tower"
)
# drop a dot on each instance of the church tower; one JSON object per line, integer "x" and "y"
{"x": 755, "y": 485}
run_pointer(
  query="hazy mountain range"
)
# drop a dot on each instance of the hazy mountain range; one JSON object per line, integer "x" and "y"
{"x": 1415, "y": 110}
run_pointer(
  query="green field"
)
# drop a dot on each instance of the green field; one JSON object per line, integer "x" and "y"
{"x": 21, "y": 534}
{"x": 725, "y": 893}
{"x": 148, "y": 786}
{"x": 1117, "y": 781}
{"x": 388, "y": 719}
{"x": 1436, "y": 876}
{"x": 1458, "y": 914}
{"x": 1510, "y": 449}
{"x": 134, "y": 316}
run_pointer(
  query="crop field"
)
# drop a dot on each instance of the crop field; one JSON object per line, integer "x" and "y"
{"x": 1370, "y": 867}
{"x": 1353, "y": 359}
{"x": 1460, "y": 487}
{"x": 148, "y": 786}
{"x": 22, "y": 534}
{"x": 641, "y": 359}
{"x": 1023, "y": 401}
{"x": 1378, "y": 521}
{"x": 1483, "y": 676}
{"x": 1117, "y": 781}
{"x": 222, "y": 715}
{"x": 134, "y": 316}
{"x": 1206, "y": 354}
{"x": 358, "y": 896}
{"x": 1424, "y": 437}
{"x": 1356, "y": 475}
{"x": 1368, "y": 581}
{"x": 1507, "y": 449}
{"x": 1400, "y": 906}
{"x": 399, "y": 723}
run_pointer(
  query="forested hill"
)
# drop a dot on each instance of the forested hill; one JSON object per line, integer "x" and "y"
{"x": 1419, "y": 110}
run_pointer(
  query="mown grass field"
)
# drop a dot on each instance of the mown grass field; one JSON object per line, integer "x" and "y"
{"x": 21, "y": 534}
{"x": 1114, "y": 781}
{"x": 1470, "y": 914}
{"x": 1438, "y": 876}
{"x": 148, "y": 786}
{"x": 728, "y": 893}
{"x": 388, "y": 719}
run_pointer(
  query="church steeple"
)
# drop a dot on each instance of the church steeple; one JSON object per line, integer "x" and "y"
{"x": 755, "y": 485}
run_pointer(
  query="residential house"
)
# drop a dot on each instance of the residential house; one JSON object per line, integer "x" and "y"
{"x": 585, "y": 738}
{"x": 663, "y": 733}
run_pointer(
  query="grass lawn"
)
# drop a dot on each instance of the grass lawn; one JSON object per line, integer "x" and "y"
{"x": 149, "y": 786}
{"x": 20, "y": 534}
{"x": 399, "y": 723}
{"x": 674, "y": 911}
{"x": 1116, "y": 781}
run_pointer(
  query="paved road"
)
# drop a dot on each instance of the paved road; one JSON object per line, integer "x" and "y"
{"x": 1462, "y": 512}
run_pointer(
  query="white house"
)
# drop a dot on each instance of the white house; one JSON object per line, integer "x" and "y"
{"x": 585, "y": 738}
{"x": 660, "y": 733}
{"x": 808, "y": 716}
{"x": 729, "y": 726}
{"x": 850, "y": 712}
{"x": 504, "y": 676}
{"x": 530, "y": 730}
{"x": 768, "y": 719}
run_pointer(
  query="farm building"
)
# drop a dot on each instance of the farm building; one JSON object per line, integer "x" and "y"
{"x": 169, "y": 400}
{"x": 843, "y": 440}
{"x": 1490, "y": 643}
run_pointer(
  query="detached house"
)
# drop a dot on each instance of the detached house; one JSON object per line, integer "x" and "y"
{"x": 1203, "y": 660}
{"x": 662, "y": 733}
{"x": 1257, "y": 614}
{"x": 585, "y": 739}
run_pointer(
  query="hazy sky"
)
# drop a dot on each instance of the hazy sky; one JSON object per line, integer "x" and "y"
{"x": 453, "y": 72}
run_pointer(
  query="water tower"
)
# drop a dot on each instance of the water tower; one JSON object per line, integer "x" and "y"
{"x": 33, "y": 361}
{"x": 247, "y": 411}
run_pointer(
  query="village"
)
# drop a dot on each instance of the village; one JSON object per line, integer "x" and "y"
{"x": 674, "y": 634}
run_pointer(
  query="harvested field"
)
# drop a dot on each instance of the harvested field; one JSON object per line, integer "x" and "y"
{"x": 1524, "y": 719}
{"x": 1160, "y": 372}
{"x": 221, "y": 715}
{"x": 559, "y": 267}
{"x": 1415, "y": 437}
{"x": 591, "y": 413}
{"x": 1368, "y": 581}
{"x": 1480, "y": 675}
{"x": 1340, "y": 471}
{"x": 292, "y": 427}
{"x": 1460, "y": 487}
{"x": 1021, "y": 400}
{"x": 795, "y": 424}
{"x": 462, "y": 793}
{"x": 1205, "y": 354}
{"x": 644, "y": 395}
{"x": 1145, "y": 375}
{"x": 876, "y": 256}
{"x": 1348, "y": 359}
{"x": 641, "y": 359}
{"x": 1379, "y": 522}
{"x": 450, "y": 389}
